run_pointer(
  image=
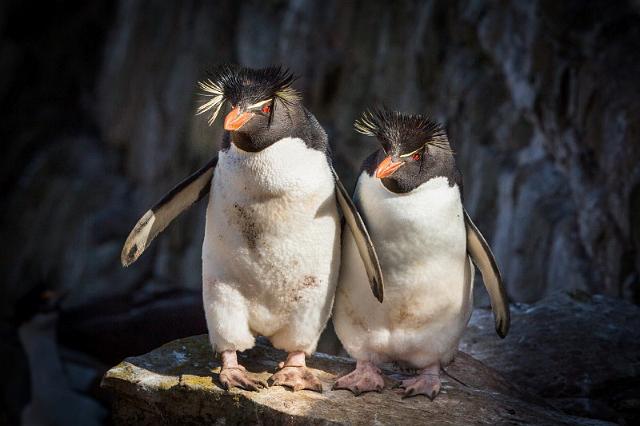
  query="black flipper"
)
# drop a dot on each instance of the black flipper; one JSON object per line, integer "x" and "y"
{"x": 480, "y": 252}
{"x": 361, "y": 236}
{"x": 154, "y": 221}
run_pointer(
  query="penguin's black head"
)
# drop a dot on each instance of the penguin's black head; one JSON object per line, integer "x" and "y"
{"x": 263, "y": 103}
{"x": 416, "y": 148}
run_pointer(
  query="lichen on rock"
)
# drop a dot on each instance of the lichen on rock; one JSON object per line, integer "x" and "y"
{"x": 164, "y": 388}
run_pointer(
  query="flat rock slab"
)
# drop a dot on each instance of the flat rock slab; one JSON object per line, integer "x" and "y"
{"x": 178, "y": 384}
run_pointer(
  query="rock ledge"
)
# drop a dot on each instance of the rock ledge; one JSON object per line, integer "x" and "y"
{"x": 178, "y": 384}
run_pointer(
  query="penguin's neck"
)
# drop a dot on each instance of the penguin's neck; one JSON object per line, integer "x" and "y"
{"x": 252, "y": 143}
{"x": 286, "y": 167}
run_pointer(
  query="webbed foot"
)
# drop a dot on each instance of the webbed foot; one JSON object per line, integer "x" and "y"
{"x": 236, "y": 377}
{"x": 296, "y": 378}
{"x": 365, "y": 378}
{"x": 233, "y": 375}
{"x": 295, "y": 375}
{"x": 427, "y": 383}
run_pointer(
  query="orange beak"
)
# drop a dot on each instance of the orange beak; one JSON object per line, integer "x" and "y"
{"x": 387, "y": 167}
{"x": 234, "y": 120}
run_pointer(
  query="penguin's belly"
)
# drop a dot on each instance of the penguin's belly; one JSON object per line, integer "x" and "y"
{"x": 272, "y": 235}
{"x": 420, "y": 239}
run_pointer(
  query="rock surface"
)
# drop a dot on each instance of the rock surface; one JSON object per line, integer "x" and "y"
{"x": 177, "y": 384}
{"x": 579, "y": 352}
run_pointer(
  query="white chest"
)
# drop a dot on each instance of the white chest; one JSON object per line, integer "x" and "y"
{"x": 287, "y": 169}
{"x": 416, "y": 230}
{"x": 272, "y": 215}
{"x": 420, "y": 239}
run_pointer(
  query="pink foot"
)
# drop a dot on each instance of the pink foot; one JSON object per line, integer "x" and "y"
{"x": 365, "y": 378}
{"x": 233, "y": 375}
{"x": 295, "y": 375}
{"x": 427, "y": 382}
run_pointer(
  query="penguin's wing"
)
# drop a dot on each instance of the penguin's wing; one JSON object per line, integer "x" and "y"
{"x": 362, "y": 238}
{"x": 480, "y": 252}
{"x": 155, "y": 220}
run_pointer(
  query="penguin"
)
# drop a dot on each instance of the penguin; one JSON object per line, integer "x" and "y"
{"x": 409, "y": 193}
{"x": 272, "y": 243}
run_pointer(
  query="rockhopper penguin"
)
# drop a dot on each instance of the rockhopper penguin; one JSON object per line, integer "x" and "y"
{"x": 410, "y": 195}
{"x": 271, "y": 252}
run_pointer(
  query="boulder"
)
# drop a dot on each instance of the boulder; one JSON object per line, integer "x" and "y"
{"x": 579, "y": 352}
{"x": 178, "y": 384}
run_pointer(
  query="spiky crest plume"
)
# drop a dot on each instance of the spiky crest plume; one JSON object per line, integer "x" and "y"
{"x": 402, "y": 133}
{"x": 242, "y": 86}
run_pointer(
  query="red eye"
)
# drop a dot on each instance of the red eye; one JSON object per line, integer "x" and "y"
{"x": 266, "y": 109}
{"x": 416, "y": 156}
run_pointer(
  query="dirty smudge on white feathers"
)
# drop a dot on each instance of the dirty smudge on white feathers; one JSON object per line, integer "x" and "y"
{"x": 272, "y": 247}
{"x": 421, "y": 242}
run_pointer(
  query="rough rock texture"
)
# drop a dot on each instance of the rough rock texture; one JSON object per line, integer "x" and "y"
{"x": 540, "y": 99}
{"x": 580, "y": 353}
{"x": 177, "y": 384}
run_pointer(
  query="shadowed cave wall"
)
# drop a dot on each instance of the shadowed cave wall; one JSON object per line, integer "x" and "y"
{"x": 541, "y": 101}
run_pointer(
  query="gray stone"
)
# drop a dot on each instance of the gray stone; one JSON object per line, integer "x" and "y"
{"x": 579, "y": 352}
{"x": 177, "y": 384}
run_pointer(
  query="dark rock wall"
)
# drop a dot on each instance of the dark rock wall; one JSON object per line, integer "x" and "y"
{"x": 541, "y": 100}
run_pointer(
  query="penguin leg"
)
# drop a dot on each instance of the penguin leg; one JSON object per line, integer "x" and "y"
{"x": 294, "y": 374}
{"x": 233, "y": 374}
{"x": 365, "y": 378}
{"x": 426, "y": 382}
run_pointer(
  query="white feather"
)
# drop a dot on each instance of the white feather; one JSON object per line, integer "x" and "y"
{"x": 421, "y": 242}
{"x": 271, "y": 251}
{"x": 216, "y": 93}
